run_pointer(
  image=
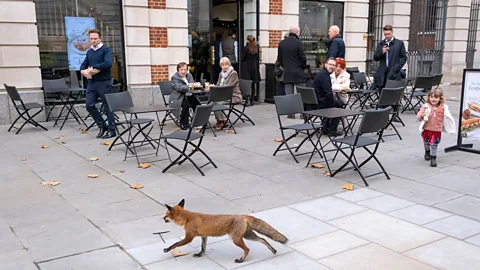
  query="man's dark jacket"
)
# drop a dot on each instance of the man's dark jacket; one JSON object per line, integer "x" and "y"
{"x": 292, "y": 58}
{"x": 397, "y": 57}
{"x": 323, "y": 89}
{"x": 336, "y": 48}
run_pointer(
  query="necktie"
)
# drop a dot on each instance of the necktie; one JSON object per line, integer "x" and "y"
{"x": 387, "y": 53}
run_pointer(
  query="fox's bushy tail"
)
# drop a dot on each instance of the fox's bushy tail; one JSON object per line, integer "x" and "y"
{"x": 264, "y": 228}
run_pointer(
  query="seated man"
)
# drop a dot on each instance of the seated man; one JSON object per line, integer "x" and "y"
{"x": 323, "y": 90}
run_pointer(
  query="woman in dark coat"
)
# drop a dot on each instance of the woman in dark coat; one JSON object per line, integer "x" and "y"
{"x": 250, "y": 62}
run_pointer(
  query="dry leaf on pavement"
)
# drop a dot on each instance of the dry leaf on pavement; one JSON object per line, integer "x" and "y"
{"x": 348, "y": 186}
{"x": 92, "y": 175}
{"x": 144, "y": 165}
{"x": 327, "y": 173}
{"x": 176, "y": 129}
{"x": 50, "y": 183}
{"x": 83, "y": 131}
{"x": 24, "y": 159}
{"x": 106, "y": 143}
{"x": 228, "y": 131}
{"x": 93, "y": 158}
{"x": 318, "y": 166}
{"x": 44, "y": 146}
{"x": 178, "y": 253}
{"x": 63, "y": 135}
{"x": 278, "y": 140}
{"x": 136, "y": 186}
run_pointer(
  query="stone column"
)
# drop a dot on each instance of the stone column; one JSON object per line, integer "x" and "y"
{"x": 19, "y": 56}
{"x": 397, "y": 14}
{"x": 456, "y": 35}
{"x": 354, "y": 29}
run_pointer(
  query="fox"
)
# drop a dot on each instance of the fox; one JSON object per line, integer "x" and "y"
{"x": 238, "y": 227}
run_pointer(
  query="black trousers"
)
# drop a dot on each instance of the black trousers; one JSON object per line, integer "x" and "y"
{"x": 187, "y": 103}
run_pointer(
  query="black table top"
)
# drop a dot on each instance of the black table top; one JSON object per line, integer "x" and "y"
{"x": 333, "y": 113}
{"x": 146, "y": 109}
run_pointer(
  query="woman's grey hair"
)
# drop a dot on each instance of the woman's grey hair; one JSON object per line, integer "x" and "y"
{"x": 225, "y": 60}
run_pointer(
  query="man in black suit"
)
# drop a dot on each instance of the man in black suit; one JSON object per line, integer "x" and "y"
{"x": 392, "y": 55}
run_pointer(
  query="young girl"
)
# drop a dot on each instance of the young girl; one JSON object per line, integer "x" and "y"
{"x": 432, "y": 128}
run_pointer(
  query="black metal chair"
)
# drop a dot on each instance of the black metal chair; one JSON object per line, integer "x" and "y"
{"x": 23, "y": 109}
{"x": 292, "y": 104}
{"x": 246, "y": 89}
{"x": 360, "y": 83}
{"x": 121, "y": 100}
{"x": 166, "y": 90}
{"x": 52, "y": 96}
{"x": 351, "y": 71}
{"x": 309, "y": 99}
{"x": 391, "y": 97}
{"x": 437, "y": 80}
{"x": 424, "y": 83}
{"x": 222, "y": 94}
{"x": 201, "y": 118}
{"x": 373, "y": 121}
{"x": 396, "y": 84}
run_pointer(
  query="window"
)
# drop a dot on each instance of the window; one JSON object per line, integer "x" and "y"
{"x": 315, "y": 19}
{"x": 62, "y": 38}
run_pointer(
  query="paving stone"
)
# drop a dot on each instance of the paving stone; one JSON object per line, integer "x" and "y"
{"x": 359, "y": 194}
{"x": 8, "y": 239}
{"x": 16, "y": 260}
{"x": 467, "y": 183}
{"x": 151, "y": 253}
{"x": 386, "y": 203}
{"x": 419, "y": 214}
{"x": 272, "y": 199}
{"x": 458, "y": 227}
{"x": 465, "y": 206}
{"x": 327, "y": 208}
{"x": 185, "y": 262}
{"x": 291, "y": 260}
{"x": 474, "y": 240}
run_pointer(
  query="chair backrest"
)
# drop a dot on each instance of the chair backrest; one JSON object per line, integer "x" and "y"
{"x": 202, "y": 115}
{"x": 13, "y": 93}
{"x": 424, "y": 82}
{"x": 166, "y": 90}
{"x": 395, "y": 83}
{"x": 220, "y": 93}
{"x": 308, "y": 95}
{"x": 437, "y": 80}
{"x": 288, "y": 104}
{"x": 74, "y": 83}
{"x": 54, "y": 85}
{"x": 390, "y": 96}
{"x": 117, "y": 101}
{"x": 116, "y": 88}
{"x": 352, "y": 70}
{"x": 359, "y": 78}
{"x": 374, "y": 120}
{"x": 246, "y": 88}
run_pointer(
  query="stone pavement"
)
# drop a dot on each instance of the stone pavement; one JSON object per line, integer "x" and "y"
{"x": 423, "y": 218}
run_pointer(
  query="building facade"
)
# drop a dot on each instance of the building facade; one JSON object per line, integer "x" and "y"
{"x": 148, "y": 38}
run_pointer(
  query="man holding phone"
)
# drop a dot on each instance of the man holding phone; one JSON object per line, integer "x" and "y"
{"x": 392, "y": 55}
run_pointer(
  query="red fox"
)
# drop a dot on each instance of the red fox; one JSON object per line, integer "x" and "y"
{"x": 236, "y": 226}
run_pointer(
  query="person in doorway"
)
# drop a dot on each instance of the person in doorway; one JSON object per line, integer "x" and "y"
{"x": 200, "y": 57}
{"x": 216, "y": 69}
{"x": 336, "y": 48}
{"x": 291, "y": 57}
{"x": 392, "y": 56}
{"x": 325, "y": 97}
{"x": 180, "y": 99}
{"x": 250, "y": 65}
{"x": 229, "y": 48}
{"x": 97, "y": 69}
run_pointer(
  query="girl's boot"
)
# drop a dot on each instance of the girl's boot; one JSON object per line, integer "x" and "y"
{"x": 427, "y": 155}
{"x": 433, "y": 161}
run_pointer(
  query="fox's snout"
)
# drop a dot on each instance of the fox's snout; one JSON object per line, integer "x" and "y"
{"x": 165, "y": 218}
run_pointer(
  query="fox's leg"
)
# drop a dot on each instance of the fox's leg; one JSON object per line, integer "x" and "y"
{"x": 239, "y": 242}
{"x": 204, "y": 247}
{"x": 250, "y": 235}
{"x": 188, "y": 238}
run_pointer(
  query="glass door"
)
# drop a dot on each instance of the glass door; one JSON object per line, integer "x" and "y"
{"x": 199, "y": 39}
{"x": 249, "y": 25}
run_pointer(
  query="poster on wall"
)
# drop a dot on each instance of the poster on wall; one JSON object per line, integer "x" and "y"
{"x": 76, "y": 29}
{"x": 469, "y": 112}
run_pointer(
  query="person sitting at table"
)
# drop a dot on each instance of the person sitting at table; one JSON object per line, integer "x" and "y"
{"x": 180, "y": 99}
{"x": 228, "y": 76}
{"x": 340, "y": 81}
{"x": 325, "y": 98}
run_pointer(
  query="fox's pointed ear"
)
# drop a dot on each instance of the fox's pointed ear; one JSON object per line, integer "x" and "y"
{"x": 168, "y": 207}
{"x": 181, "y": 203}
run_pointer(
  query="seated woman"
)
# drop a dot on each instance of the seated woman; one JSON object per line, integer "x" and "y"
{"x": 228, "y": 76}
{"x": 179, "y": 99}
{"x": 340, "y": 81}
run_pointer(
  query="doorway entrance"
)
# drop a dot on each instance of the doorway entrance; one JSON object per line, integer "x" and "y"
{"x": 209, "y": 23}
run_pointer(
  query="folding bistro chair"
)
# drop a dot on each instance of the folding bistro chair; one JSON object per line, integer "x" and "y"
{"x": 246, "y": 89}
{"x": 421, "y": 82}
{"x": 360, "y": 83}
{"x": 391, "y": 97}
{"x": 23, "y": 109}
{"x": 291, "y": 104}
{"x": 396, "y": 84}
{"x": 437, "y": 80}
{"x": 373, "y": 121}
{"x": 121, "y": 100}
{"x": 222, "y": 94}
{"x": 351, "y": 70}
{"x": 166, "y": 90}
{"x": 200, "y": 119}
{"x": 52, "y": 95}
{"x": 309, "y": 99}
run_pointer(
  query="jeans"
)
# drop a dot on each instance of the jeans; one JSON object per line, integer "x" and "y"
{"x": 97, "y": 89}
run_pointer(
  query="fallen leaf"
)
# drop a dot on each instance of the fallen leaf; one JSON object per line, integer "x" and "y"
{"x": 228, "y": 131}
{"x": 83, "y": 131}
{"x": 318, "y": 166}
{"x": 176, "y": 129}
{"x": 63, "y": 135}
{"x": 92, "y": 175}
{"x": 106, "y": 143}
{"x": 44, "y": 146}
{"x": 162, "y": 124}
{"x": 278, "y": 140}
{"x": 122, "y": 171}
{"x": 348, "y": 186}
{"x": 58, "y": 138}
{"x": 24, "y": 159}
{"x": 144, "y": 165}
{"x": 178, "y": 253}
{"x": 197, "y": 131}
{"x": 93, "y": 158}
{"x": 50, "y": 183}
{"x": 327, "y": 173}
{"x": 136, "y": 186}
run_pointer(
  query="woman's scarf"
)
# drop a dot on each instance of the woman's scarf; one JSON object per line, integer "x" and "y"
{"x": 225, "y": 75}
